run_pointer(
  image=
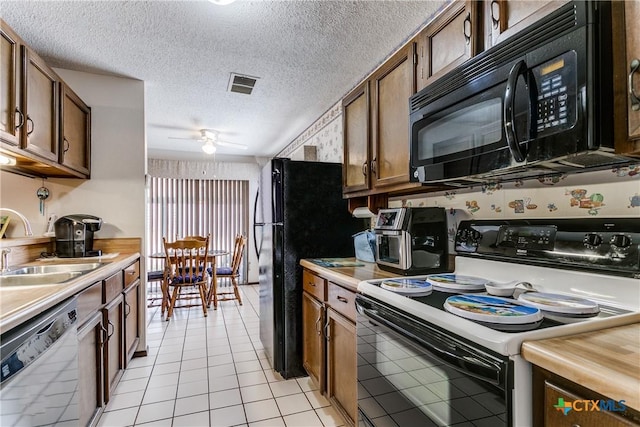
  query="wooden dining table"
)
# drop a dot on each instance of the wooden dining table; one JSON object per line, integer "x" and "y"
{"x": 211, "y": 253}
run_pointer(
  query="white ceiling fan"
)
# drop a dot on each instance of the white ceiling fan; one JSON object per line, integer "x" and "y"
{"x": 210, "y": 141}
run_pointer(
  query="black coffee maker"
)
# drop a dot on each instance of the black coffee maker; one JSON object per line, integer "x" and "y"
{"x": 74, "y": 235}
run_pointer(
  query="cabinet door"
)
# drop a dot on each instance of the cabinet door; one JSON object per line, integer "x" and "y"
{"x": 75, "y": 132}
{"x": 342, "y": 365}
{"x": 355, "y": 117}
{"x": 452, "y": 38}
{"x": 113, "y": 320}
{"x": 505, "y": 18}
{"x": 10, "y": 117}
{"x": 40, "y": 104}
{"x": 312, "y": 339}
{"x": 632, "y": 18}
{"x": 90, "y": 369}
{"x": 131, "y": 320}
{"x": 391, "y": 86}
{"x": 583, "y": 418}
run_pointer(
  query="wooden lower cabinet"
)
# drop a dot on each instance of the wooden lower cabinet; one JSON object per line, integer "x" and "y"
{"x": 113, "y": 321}
{"x": 131, "y": 320}
{"x": 342, "y": 365}
{"x": 90, "y": 369}
{"x": 329, "y": 342}
{"x": 313, "y": 339}
{"x": 109, "y": 330}
{"x": 549, "y": 390}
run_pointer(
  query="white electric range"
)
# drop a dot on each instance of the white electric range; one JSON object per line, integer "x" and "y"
{"x": 419, "y": 364}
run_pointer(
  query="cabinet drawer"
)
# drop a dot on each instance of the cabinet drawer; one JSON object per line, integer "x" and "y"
{"x": 131, "y": 274}
{"x": 112, "y": 286}
{"x": 89, "y": 301}
{"x": 342, "y": 300}
{"x": 313, "y": 284}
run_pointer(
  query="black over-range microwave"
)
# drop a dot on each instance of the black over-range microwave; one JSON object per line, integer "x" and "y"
{"x": 539, "y": 103}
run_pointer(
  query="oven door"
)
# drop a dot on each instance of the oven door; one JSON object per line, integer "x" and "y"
{"x": 411, "y": 373}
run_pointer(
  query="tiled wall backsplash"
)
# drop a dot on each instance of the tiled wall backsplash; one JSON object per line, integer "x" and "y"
{"x": 610, "y": 193}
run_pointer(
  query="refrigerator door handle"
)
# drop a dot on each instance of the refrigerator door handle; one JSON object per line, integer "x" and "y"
{"x": 256, "y": 224}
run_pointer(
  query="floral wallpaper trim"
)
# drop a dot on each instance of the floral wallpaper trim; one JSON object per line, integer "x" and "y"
{"x": 326, "y": 119}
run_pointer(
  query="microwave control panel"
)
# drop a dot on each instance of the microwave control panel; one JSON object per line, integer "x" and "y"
{"x": 557, "y": 94}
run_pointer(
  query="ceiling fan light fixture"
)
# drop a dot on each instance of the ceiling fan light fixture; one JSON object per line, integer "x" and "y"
{"x": 208, "y": 147}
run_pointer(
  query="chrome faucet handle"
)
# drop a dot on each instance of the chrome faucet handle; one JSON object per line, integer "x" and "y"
{"x": 4, "y": 259}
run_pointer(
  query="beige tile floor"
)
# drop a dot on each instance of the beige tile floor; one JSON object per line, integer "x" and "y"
{"x": 212, "y": 371}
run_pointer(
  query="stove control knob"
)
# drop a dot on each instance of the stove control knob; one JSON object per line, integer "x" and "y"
{"x": 592, "y": 240}
{"x": 620, "y": 241}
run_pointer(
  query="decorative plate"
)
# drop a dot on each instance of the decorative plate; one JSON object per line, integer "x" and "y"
{"x": 457, "y": 282}
{"x": 557, "y": 303}
{"x": 490, "y": 309}
{"x": 413, "y": 287}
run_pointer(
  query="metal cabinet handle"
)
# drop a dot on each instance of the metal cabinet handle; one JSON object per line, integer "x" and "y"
{"x": 374, "y": 166}
{"x": 109, "y": 335}
{"x": 29, "y": 132}
{"x": 326, "y": 331}
{"x": 67, "y": 145}
{"x": 312, "y": 284}
{"x": 364, "y": 169}
{"x": 127, "y": 309}
{"x": 494, "y": 13}
{"x": 467, "y": 24}
{"x": 342, "y": 299}
{"x": 635, "y": 101}
{"x": 20, "y": 117}
{"x": 104, "y": 336}
{"x": 318, "y": 328}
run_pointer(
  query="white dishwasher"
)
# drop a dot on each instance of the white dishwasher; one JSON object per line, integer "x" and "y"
{"x": 39, "y": 370}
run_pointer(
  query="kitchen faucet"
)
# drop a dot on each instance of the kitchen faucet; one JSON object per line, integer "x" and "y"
{"x": 25, "y": 221}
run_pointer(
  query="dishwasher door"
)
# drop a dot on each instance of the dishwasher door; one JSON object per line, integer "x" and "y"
{"x": 39, "y": 370}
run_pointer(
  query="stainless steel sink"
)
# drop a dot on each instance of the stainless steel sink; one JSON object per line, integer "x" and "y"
{"x": 54, "y": 268}
{"x": 45, "y": 274}
{"x": 38, "y": 279}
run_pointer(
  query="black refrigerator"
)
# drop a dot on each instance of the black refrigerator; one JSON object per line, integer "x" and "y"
{"x": 299, "y": 213}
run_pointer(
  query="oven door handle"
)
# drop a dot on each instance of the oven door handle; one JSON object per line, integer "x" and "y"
{"x": 454, "y": 356}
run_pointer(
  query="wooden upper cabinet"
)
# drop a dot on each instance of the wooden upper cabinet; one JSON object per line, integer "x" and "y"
{"x": 40, "y": 107}
{"x": 626, "y": 77}
{"x": 632, "y": 19}
{"x": 10, "y": 117}
{"x": 504, "y": 18}
{"x": 391, "y": 86}
{"x": 355, "y": 113}
{"x": 75, "y": 132}
{"x": 453, "y": 37}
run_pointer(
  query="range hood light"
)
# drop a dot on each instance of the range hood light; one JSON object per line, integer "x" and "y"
{"x": 222, "y": 2}
{"x": 7, "y": 160}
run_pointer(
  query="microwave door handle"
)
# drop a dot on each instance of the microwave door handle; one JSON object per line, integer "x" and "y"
{"x": 520, "y": 155}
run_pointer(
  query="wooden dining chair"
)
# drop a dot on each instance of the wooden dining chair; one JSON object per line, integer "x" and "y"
{"x": 231, "y": 272}
{"x": 186, "y": 275}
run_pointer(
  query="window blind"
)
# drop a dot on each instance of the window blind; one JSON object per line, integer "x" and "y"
{"x": 184, "y": 207}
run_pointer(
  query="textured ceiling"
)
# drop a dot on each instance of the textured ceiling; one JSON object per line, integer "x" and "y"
{"x": 307, "y": 55}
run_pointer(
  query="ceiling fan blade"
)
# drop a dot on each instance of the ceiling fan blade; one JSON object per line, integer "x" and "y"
{"x": 231, "y": 145}
{"x": 187, "y": 139}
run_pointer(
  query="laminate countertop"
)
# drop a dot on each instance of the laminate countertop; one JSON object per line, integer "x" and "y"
{"x": 346, "y": 272}
{"x": 20, "y": 303}
{"x": 605, "y": 361}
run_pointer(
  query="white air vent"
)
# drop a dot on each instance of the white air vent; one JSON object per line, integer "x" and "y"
{"x": 241, "y": 83}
